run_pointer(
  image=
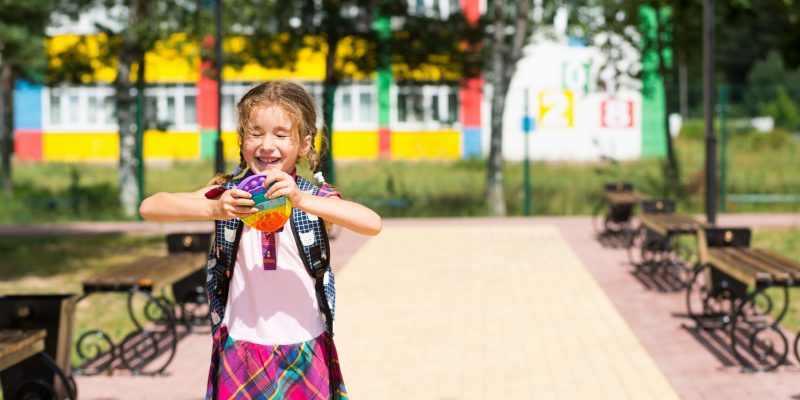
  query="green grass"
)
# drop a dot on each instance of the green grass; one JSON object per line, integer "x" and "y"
{"x": 757, "y": 164}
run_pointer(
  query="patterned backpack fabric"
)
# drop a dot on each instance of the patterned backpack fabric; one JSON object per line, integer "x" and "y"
{"x": 312, "y": 242}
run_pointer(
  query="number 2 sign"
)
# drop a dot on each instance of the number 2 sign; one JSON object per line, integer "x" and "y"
{"x": 556, "y": 109}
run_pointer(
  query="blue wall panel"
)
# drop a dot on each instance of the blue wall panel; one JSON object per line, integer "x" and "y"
{"x": 472, "y": 142}
{"x": 27, "y": 105}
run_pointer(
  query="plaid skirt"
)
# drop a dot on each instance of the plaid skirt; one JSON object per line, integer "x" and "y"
{"x": 245, "y": 370}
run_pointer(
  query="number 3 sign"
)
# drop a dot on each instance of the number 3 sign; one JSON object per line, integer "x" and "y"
{"x": 556, "y": 109}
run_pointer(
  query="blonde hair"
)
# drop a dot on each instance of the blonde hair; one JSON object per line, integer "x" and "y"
{"x": 295, "y": 101}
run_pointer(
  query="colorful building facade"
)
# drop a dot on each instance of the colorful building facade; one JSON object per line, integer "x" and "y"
{"x": 374, "y": 117}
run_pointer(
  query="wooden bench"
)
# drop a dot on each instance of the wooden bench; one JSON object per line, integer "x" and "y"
{"x": 728, "y": 291}
{"x": 147, "y": 274}
{"x": 614, "y": 214}
{"x": 182, "y": 269}
{"x": 35, "y": 342}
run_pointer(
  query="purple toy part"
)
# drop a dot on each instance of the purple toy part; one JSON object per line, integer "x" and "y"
{"x": 251, "y": 182}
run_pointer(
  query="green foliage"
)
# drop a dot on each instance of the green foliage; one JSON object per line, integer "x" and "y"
{"x": 783, "y": 109}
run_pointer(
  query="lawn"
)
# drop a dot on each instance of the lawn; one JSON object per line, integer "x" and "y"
{"x": 758, "y": 164}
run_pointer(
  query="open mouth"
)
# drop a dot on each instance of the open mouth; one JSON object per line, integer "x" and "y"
{"x": 268, "y": 160}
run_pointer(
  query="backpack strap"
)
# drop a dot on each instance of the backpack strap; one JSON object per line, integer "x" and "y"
{"x": 221, "y": 259}
{"x": 312, "y": 242}
{"x": 311, "y": 238}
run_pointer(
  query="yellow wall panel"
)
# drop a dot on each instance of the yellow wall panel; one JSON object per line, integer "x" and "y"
{"x": 426, "y": 145}
{"x": 230, "y": 145}
{"x": 80, "y": 146}
{"x": 172, "y": 145}
{"x": 355, "y": 145}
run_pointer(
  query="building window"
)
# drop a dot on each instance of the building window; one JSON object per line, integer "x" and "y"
{"x": 435, "y": 107}
{"x": 109, "y": 117}
{"x": 169, "y": 118}
{"x": 409, "y": 105}
{"x": 73, "y": 109}
{"x": 366, "y": 110}
{"x": 347, "y": 108}
{"x": 190, "y": 109}
{"x": 55, "y": 107}
{"x": 92, "y": 110}
{"x": 151, "y": 111}
{"x": 452, "y": 107}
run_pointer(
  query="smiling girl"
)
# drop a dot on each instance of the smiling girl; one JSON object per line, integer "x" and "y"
{"x": 271, "y": 295}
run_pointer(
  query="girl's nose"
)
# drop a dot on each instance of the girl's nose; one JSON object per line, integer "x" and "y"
{"x": 267, "y": 142}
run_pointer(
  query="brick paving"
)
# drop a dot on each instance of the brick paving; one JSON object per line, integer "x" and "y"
{"x": 484, "y": 311}
{"x": 500, "y": 308}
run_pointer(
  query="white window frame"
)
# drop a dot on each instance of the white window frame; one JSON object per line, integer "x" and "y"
{"x": 237, "y": 90}
{"x": 82, "y": 124}
{"x": 427, "y": 122}
{"x": 356, "y": 122}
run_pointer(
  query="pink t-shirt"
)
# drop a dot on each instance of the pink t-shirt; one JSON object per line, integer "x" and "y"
{"x": 271, "y": 307}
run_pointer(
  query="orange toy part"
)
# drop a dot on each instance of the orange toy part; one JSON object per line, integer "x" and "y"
{"x": 270, "y": 220}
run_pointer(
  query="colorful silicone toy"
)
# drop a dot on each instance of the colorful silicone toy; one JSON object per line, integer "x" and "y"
{"x": 273, "y": 213}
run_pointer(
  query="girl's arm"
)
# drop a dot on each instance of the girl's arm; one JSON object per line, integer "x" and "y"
{"x": 168, "y": 207}
{"x": 344, "y": 213}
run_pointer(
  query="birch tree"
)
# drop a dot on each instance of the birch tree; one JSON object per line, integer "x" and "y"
{"x": 508, "y": 33}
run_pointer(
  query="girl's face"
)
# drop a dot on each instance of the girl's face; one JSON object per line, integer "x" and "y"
{"x": 272, "y": 144}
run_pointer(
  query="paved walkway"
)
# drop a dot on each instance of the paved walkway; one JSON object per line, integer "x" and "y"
{"x": 500, "y": 308}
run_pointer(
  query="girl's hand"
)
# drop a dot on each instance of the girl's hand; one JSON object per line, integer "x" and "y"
{"x": 235, "y": 203}
{"x": 284, "y": 186}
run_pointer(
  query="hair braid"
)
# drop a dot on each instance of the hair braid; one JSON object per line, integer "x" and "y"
{"x": 220, "y": 179}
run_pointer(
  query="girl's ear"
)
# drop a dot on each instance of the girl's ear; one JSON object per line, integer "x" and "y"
{"x": 306, "y": 144}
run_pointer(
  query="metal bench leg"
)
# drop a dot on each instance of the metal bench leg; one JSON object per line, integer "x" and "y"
{"x": 766, "y": 344}
{"x": 92, "y": 346}
{"x": 704, "y": 305}
{"x": 40, "y": 389}
{"x": 142, "y": 346}
{"x": 796, "y": 345}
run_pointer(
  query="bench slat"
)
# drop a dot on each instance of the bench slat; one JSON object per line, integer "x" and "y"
{"x": 148, "y": 273}
{"x": 745, "y": 255}
{"x": 785, "y": 264}
{"x": 17, "y": 345}
{"x": 670, "y": 223}
{"x": 745, "y": 273}
{"x": 620, "y": 197}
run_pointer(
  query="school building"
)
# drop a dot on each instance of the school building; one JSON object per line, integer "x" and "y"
{"x": 575, "y": 106}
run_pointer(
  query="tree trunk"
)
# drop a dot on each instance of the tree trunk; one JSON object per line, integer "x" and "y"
{"x": 683, "y": 88}
{"x": 504, "y": 65}
{"x": 329, "y": 87}
{"x": 672, "y": 171}
{"x": 7, "y": 125}
{"x": 495, "y": 198}
{"x": 128, "y": 166}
